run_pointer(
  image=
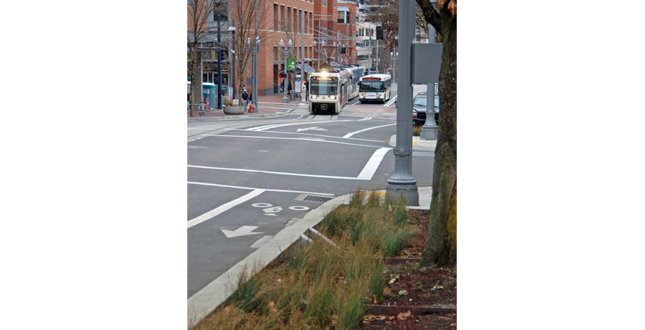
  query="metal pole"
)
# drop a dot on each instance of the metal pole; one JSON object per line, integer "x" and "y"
{"x": 319, "y": 38}
{"x": 232, "y": 60}
{"x": 402, "y": 182}
{"x": 302, "y": 50}
{"x": 394, "y": 65}
{"x": 286, "y": 76}
{"x": 430, "y": 130}
{"x": 255, "y": 62}
{"x": 369, "y": 58}
{"x": 219, "y": 65}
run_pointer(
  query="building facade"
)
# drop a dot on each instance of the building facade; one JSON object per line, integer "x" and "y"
{"x": 301, "y": 21}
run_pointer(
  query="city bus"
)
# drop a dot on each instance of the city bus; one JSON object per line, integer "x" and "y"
{"x": 375, "y": 87}
{"x": 329, "y": 90}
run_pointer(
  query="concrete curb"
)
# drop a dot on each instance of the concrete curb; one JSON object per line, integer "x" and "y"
{"x": 204, "y": 302}
{"x": 233, "y": 117}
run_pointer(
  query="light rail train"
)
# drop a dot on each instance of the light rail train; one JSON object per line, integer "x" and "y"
{"x": 329, "y": 90}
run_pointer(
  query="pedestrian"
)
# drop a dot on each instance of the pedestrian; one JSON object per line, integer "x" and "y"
{"x": 245, "y": 97}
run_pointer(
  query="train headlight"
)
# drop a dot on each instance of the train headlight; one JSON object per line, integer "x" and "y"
{"x": 380, "y": 95}
{"x": 333, "y": 97}
{"x": 313, "y": 97}
{"x": 362, "y": 94}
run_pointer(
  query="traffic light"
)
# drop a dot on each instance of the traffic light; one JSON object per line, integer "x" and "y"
{"x": 379, "y": 33}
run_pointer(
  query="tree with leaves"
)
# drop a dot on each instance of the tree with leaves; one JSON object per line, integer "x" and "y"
{"x": 441, "y": 242}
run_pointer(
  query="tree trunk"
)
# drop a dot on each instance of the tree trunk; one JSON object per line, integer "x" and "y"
{"x": 440, "y": 245}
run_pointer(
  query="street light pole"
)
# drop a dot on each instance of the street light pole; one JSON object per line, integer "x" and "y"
{"x": 219, "y": 65}
{"x": 318, "y": 46}
{"x": 285, "y": 51}
{"x": 234, "y": 57}
{"x": 402, "y": 182}
{"x": 255, "y": 61}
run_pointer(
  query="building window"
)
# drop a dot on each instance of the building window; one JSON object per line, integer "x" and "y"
{"x": 324, "y": 3}
{"x": 276, "y": 20}
{"x": 341, "y": 17}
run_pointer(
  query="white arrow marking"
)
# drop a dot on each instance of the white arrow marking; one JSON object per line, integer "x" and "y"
{"x": 298, "y": 208}
{"x": 242, "y": 231}
{"x": 310, "y": 129}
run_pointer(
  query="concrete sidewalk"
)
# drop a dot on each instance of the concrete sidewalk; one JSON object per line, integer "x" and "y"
{"x": 270, "y": 105}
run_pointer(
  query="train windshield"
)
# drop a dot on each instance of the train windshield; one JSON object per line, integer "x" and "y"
{"x": 322, "y": 86}
{"x": 371, "y": 86}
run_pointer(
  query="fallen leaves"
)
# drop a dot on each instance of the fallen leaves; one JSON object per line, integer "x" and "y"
{"x": 404, "y": 316}
{"x": 401, "y": 317}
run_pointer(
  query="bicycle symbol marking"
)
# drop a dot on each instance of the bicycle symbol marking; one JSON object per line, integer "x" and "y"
{"x": 270, "y": 210}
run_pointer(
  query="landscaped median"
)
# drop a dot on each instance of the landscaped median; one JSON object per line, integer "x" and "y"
{"x": 326, "y": 283}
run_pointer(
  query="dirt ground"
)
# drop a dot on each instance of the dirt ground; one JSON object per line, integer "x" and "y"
{"x": 415, "y": 298}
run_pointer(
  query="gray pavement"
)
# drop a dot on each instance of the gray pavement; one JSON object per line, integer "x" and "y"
{"x": 210, "y": 297}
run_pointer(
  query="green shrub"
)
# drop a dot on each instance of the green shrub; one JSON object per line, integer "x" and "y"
{"x": 352, "y": 307}
{"x": 377, "y": 279}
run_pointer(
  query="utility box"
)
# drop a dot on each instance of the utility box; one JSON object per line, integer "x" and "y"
{"x": 426, "y": 63}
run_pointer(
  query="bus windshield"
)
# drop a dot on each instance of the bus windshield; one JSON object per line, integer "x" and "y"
{"x": 371, "y": 86}
{"x": 323, "y": 87}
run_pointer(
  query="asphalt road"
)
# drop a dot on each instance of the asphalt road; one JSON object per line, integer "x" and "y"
{"x": 248, "y": 178}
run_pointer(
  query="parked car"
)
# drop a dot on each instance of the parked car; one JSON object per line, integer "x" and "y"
{"x": 419, "y": 107}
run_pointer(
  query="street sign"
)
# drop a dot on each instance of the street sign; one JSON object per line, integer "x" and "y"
{"x": 291, "y": 64}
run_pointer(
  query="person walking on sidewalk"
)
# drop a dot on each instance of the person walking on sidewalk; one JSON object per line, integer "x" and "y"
{"x": 245, "y": 97}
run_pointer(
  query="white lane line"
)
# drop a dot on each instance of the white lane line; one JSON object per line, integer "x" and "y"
{"x": 250, "y": 188}
{"x": 276, "y": 173}
{"x": 305, "y": 139}
{"x": 372, "y": 165}
{"x": 390, "y": 102}
{"x": 223, "y": 208}
{"x": 267, "y": 127}
{"x": 348, "y": 135}
{"x": 316, "y": 135}
{"x": 366, "y": 174}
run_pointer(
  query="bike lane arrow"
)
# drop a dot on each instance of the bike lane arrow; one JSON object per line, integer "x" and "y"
{"x": 242, "y": 231}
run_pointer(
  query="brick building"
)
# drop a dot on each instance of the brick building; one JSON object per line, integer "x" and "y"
{"x": 282, "y": 19}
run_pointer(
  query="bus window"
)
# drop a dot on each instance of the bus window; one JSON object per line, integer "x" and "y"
{"x": 371, "y": 86}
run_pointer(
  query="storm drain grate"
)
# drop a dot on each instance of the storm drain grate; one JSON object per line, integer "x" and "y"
{"x": 314, "y": 198}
